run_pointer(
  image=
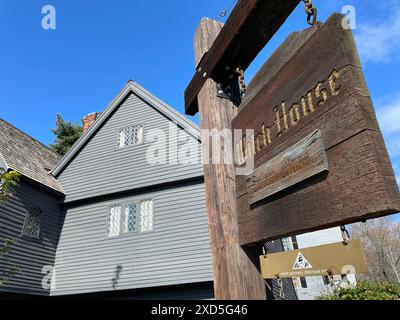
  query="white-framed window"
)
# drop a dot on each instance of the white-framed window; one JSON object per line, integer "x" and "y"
{"x": 131, "y": 217}
{"x": 146, "y": 215}
{"x": 114, "y": 221}
{"x": 130, "y": 136}
{"x": 32, "y": 223}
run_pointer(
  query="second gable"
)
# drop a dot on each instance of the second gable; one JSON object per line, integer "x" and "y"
{"x": 107, "y": 164}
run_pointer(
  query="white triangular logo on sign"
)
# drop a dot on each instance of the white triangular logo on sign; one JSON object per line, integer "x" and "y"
{"x": 301, "y": 262}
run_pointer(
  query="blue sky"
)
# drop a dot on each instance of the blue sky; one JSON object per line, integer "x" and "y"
{"x": 98, "y": 45}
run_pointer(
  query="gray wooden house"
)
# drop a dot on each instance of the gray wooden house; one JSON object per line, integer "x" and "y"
{"x": 102, "y": 221}
{"x": 33, "y": 216}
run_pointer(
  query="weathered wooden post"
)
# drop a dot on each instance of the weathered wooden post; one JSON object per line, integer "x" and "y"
{"x": 235, "y": 276}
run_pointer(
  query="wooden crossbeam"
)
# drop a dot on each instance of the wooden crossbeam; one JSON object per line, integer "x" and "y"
{"x": 250, "y": 26}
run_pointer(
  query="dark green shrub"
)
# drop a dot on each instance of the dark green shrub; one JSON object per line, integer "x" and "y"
{"x": 366, "y": 290}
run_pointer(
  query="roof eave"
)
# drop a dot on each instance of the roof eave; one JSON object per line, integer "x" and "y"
{"x": 61, "y": 192}
{"x": 3, "y": 163}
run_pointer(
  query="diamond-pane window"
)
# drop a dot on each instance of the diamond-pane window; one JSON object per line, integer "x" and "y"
{"x": 124, "y": 138}
{"x": 136, "y": 133}
{"x": 114, "y": 221}
{"x": 146, "y": 215}
{"x": 130, "y": 219}
{"x": 32, "y": 223}
{"x": 131, "y": 136}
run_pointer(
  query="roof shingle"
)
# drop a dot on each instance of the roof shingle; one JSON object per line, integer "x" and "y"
{"x": 28, "y": 156}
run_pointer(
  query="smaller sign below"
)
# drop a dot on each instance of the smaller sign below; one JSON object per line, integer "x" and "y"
{"x": 334, "y": 259}
{"x": 299, "y": 162}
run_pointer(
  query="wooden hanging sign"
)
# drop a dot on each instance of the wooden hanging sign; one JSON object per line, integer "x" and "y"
{"x": 333, "y": 259}
{"x": 320, "y": 159}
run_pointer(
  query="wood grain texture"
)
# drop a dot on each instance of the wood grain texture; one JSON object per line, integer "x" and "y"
{"x": 299, "y": 162}
{"x": 235, "y": 274}
{"x": 250, "y": 26}
{"x": 321, "y": 87}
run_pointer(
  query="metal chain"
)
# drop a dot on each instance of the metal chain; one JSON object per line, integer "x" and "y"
{"x": 242, "y": 83}
{"x": 311, "y": 11}
{"x": 225, "y": 12}
{"x": 345, "y": 235}
{"x": 281, "y": 291}
{"x": 264, "y": 252}
{"x": 278, "y": 279}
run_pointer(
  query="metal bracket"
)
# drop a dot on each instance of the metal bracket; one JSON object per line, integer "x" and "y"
{"x": 230, "y": 91}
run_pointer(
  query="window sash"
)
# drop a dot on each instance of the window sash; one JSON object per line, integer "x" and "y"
{"x": 131, "y": 217}
{"x": 131, "y": 136}
{"x": 114, "y": 221}
{"x": 123, "y": 138}
{"x": 32, "y": 223}
{"x": 136, "y": 134}
{"x": 146, "y": 215}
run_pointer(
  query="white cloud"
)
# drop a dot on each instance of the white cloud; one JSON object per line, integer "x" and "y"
{"x": 388, "y": 113}
{"x": 397, "y": 173}
{"x": 389, "y": 117}
{"x": 393, "y": 145}
{"x": 378, "y": 41}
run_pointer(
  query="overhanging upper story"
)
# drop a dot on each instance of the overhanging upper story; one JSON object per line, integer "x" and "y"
{"x": 135, "y": 202}
{"x": 139, "y": 154}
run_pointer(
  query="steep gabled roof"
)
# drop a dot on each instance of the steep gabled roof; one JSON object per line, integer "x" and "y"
{"x": 22, "y": 153}
{"x": 130, "y": 87}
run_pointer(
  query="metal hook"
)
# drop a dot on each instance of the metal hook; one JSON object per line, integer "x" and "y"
{"x": 264, "y": 250}
{"x": 345, "y": 235}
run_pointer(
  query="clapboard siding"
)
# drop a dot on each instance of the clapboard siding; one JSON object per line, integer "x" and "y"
{"x": 97, "y": 175}
{"x": 101, "y": 168}
{"x": 196, "y": 291}
{"x": 31, "y": 255}
{"x": 176, "y": 252}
